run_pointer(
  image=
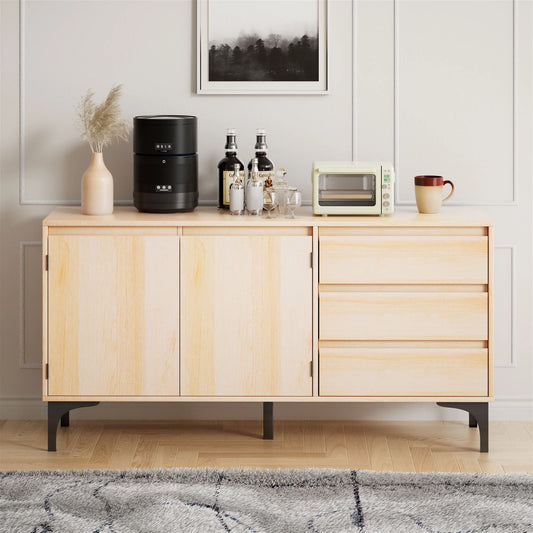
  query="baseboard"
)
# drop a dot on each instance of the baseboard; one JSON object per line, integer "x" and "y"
{"x": 35, "y": 409}
{"x": 512, "y": 409}
{"x": 22, "y": 409}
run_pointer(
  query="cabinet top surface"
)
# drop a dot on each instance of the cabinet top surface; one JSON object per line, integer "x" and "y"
{"x": 211, "y": 216}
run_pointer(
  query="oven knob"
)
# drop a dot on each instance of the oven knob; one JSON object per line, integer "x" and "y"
{"x": 386, "y": 195}
{"x": 386, "y": 204}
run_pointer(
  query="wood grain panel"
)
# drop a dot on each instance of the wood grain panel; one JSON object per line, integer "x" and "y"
{"x": 113, "y": 315}
{"x": 296, "y": 444}
{"x": 404, "y": 287}
{"x": 246, "y": 315}
{"x": 409, "y": 316}
{"x": 112, "y": 230}
{"x": 44, "y": 337}
{"x": 491, "y": 311}
{"x": 271, "y": 398}
{"x": 248, "y": 230}
{"x": 403, "y": 372}
{"x": 401, "y": 344}
{"x": 424, "y": 229}
{"x": 315, "y": 311}
{"x": 403, "y": 259}
{"x": 455, "y": 219}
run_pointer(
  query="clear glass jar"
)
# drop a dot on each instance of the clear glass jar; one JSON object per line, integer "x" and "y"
{"x": 281, "y": 187}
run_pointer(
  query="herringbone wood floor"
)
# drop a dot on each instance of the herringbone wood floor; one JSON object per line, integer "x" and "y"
{"x": 399, "y": 446}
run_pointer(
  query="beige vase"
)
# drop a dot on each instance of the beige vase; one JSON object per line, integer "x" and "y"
{"x": 97, "y": 188}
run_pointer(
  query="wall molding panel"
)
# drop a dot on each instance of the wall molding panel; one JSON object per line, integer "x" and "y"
{"x": 22, "y": 125}
{"x": 23, "y": 362}
{"x": 396, "y": 119}
{"x": 513, "y": 359}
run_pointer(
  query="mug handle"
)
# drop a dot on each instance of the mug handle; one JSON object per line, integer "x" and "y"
{"x": 451, "y": 192}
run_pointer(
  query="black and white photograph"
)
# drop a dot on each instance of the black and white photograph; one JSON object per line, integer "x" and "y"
{"x": 262, "y": 46}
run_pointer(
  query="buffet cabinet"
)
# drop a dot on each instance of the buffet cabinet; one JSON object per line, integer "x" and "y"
{"x": 205, "y": 306}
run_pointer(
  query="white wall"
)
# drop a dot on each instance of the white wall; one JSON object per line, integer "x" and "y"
{"x": 440, "y": 87}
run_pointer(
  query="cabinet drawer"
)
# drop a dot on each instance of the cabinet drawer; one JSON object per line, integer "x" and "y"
{"x": 403, "y": 316}
{"x": 403, "y": 259}
{"x": 403, "y": 372}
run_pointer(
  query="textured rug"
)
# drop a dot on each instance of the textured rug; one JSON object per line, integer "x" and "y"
{"x": 285, "y": 501}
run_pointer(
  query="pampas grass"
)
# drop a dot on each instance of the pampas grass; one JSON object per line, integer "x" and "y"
{"x": 102, "y": 124}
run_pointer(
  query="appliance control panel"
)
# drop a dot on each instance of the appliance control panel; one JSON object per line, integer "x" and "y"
{"x": 163, "y": 147}
{"x": 163, "y": 188}
{"x": 387, "y": 190}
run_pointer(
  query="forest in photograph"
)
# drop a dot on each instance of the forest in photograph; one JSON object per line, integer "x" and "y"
{"x": 275, "y": 58}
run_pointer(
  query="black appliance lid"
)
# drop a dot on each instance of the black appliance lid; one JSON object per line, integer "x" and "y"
{"x": 167, "y": 118}
{"x": 169, "y": 134}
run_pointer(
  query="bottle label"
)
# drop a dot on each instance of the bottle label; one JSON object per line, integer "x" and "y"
{"x": 228, "y": 177}
{"x": 267, "y": 177}
{"x": 236, "y": 200}
{"x": 254, "y": 199}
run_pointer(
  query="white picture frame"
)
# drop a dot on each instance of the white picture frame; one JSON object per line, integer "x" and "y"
{"x": 207, "y": 86}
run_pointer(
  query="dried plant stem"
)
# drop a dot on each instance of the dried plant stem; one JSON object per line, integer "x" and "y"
{"x": 102, "y": 124}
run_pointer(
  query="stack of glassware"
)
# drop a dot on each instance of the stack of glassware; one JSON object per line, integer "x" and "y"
{"x": 288, "y": 198}
{"x": 279, "y": 199}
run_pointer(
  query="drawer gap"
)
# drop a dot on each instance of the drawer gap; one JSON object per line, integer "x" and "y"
{"x": 407, "y": 231}
{"x": 341, "y": 344}
{"x": 441, "y": 287}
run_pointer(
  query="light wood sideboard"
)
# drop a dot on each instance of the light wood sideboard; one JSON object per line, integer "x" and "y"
{"x": 205, "y": 306}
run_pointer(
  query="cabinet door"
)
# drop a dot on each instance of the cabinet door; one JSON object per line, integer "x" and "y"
{"x": 113, "y": 312}
{"x": 246, "y": 312}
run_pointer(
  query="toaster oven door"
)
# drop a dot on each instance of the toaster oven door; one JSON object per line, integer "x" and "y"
{"x": 356, "y": 192}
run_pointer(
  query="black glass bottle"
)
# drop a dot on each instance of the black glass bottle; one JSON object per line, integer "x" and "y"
{"x": 226, "y": 169}
{"x": 265, "y": 165}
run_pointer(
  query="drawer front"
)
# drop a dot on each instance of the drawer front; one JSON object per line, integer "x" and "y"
{"x": 403, "y": 372}
{"x": 403, "y": 316}
{"x": 400, "y": 259}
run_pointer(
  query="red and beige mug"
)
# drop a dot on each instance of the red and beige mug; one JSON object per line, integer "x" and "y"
{"x": 428, "y": 191}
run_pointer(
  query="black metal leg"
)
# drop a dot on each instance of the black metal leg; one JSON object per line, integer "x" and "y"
{"x": 478, "y": 413}
{"x": 268, "y": 420}
{"x": 57, "y": 411}
{"x": 65, "y": 420}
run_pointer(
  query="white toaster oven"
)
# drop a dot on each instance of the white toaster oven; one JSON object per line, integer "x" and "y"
{"x": 349, "y": 188}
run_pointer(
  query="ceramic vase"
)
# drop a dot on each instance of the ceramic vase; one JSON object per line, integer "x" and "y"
{"x": 97, "y": 188}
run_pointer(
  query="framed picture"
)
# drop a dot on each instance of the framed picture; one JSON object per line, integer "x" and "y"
{"x": 262, "y": 47}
